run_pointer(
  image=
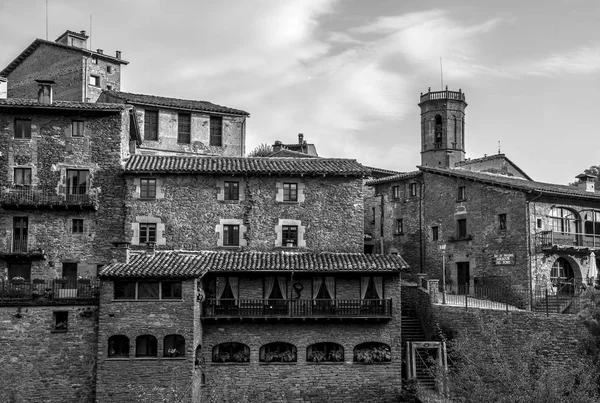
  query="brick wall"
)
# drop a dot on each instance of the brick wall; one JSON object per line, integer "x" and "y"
{"x": 331, "y": 213}
{"x": 121, "y": 379}
{"x": 37, "y": 365}
{"x": 304, "y": 381}
{"x": 48, "y": 62}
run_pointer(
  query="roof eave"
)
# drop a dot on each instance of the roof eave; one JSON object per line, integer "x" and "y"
{"x": 134, "y": 103}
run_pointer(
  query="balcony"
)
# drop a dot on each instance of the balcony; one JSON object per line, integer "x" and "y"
{"x": 297, "y": 309}
{"x": 16, "y": 196}
{"x": 49, "y": 292}
{"x": 455, "y": 95}
{"x": 575, "y": 241}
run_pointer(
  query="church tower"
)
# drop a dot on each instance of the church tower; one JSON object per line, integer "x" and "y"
{"x": 442, "y": 128}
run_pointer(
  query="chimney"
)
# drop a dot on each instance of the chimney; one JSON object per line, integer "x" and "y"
{"x": 118, "y": 54}
{"x": 586, "y": 182}
{"x": 277, "y": 146}
{"x": 150, "y": 248}
{"x": 100, "y": 51}
{"x": 3, "y": 87}
{"x": 300, "y": 138}
{"x": 45, "y": 95}
{"x": 83, "y": 33}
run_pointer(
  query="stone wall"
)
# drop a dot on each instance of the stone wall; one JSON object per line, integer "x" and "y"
{"x": 40, "y": 365}
{"x": 49, "y": 62}
{"x": 304, "y": 381}
{"x": 122, "y": 379}
{"x": 100, "y": 69}
{"x": 332, "y": 212}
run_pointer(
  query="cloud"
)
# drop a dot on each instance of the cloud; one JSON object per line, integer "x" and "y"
{"x": 583, "y": 60}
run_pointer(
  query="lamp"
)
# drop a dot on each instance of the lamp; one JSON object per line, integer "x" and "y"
{"x": 443, "y": 250}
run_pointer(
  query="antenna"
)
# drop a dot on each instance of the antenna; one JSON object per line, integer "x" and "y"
{"x": 441, "y": 75}
{"x": 46, "y": 19}
{"x": 91, "y": 32}
{"x": 499, "y": 152}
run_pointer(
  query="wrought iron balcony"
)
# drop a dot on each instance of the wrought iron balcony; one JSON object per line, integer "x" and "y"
{"x": 49, "y": 292}
{"x": 554, "y": 239}
{"x": 297, "y": 308}
{"x": 45, "y": 196}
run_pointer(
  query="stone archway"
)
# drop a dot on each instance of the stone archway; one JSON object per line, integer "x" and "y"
{"x": 565, "y": 274}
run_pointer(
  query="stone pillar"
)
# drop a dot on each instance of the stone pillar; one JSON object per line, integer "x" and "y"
{"x": 433, "y": 287}
{"x": 422, "y": 278}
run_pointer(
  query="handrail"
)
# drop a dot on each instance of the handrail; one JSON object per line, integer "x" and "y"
{"x": 49, "y": 292}
{"x": 551, "y": 237}
{"x": 36, "y": 195}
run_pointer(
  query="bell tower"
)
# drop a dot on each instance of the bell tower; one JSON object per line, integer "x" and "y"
{"x": 442, "y": 128}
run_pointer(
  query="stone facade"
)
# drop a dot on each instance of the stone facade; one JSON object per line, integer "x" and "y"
{"x": 39, "y": 364}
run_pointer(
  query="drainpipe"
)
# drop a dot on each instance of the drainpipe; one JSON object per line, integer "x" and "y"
{"x": 421, "y": 247}
{"x": 530, "y": 271}
{"x": 381, "y": 226}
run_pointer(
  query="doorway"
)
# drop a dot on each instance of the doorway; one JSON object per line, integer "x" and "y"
{"x": 463, "y": 277}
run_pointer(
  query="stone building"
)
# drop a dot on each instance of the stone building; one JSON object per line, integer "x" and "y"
{"x": 497, "y": 223}
{"x": 80, "y": 73}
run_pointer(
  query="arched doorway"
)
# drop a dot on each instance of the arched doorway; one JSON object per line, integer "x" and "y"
{"x": 562, "y": 276}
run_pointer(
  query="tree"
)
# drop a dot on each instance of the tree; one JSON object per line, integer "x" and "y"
{"x": 487, "y": 366}
{"x": 593, "y": 170}
{"x": 262, "y": 150}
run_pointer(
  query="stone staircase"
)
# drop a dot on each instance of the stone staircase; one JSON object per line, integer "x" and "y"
{"x": 413, "y": 331}
{"x": 554, "y": 304}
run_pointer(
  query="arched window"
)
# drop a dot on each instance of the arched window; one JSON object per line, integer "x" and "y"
{"x": 562, "y": 275}
{"x": 146, "y": 346}
{"x": 320, "y": 352}
{"x": 231, "y": 352}
{"x": 438, "y": 131}
{"x": 563, "y": 220}
{"x": 174, "y": 346}
{"x": 591, "y": 225}
{"x": 198, "y": 360}
{"x": 455, "y": 141}
{"x": 118, "y": 346}
{"x": 278, "y": 352}
{"x": 371, "y": 352}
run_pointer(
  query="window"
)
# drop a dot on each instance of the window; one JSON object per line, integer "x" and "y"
{"x": 148, "y": 289}
{"x": 231, "y": 235}
{"x": 592, "y": 223}
{"x": 20, "y": 233}
{"x": 22, "y": 270}
{"x": 184, "y": 124}
{"x": 461, "y": 228}
{"x": 561, "y": 272}
{"x": 455, "y": 132}
{"x": 399, "y": 226}
{"x": 290, "y": 192}
{"x": 22, "y": 128}
{"x": 69, "y": 272}
{"x": 368, "y": 353}
{"x": 412, "y": 188}
{"x": 109, "y": 69}
{"x": 216, "y": 131}
{"x": 462, "y": 193}
{"x": 232, "y": 190}
{"x": 372, "y": 287}
{"x": 108, "y": 87}
{"x": 289, "y": 235}
{"x": 147, "y": 232}
{"x": 77, "y": 128}
{"x": 94, "y": 59}
{"x": 77, "y": 227}
{"x": 146, "y": 346}
{"x": 22, "y": 176}
{"x": 502, "y": 222}
{"x": 225, "y": 290}
{"x": 174, "y": 346}
{"x": 372, "y": 215}
{"x": 77, "y": 182}
{"x": 563, "y": 220}
{"x": 147, "y": 188}
{"x": 61, "y": 321}
{"x": 95, "y": 81}
{"x": 278, "y": 352}
{"x": 438, "y": 131}
{"x": 118, "y": 346}
{"x": 231, "y": 352}
{"x": 435, "y": 233}
{"x": 396, "y": 192}
{"x": 150, "y": 125}
{"x": 323, "y": 288}
{"x": 539, "y": 223}
{"x": 275, "y": 288}
{"x": 328, "y": 352}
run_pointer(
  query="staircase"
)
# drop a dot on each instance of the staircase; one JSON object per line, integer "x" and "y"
{"x": 556, "y": 304}
{"x": 413, "y": 331}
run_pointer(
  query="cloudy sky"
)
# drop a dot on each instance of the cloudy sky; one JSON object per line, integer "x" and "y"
{"x": 348, "y": 73}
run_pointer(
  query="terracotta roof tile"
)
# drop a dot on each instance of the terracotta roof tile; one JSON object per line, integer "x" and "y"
{"x": 71, "y": 105}
{"x": 175, "y": 103}
{"x": 515, "y": 183}
{"x": 196, "y": 264}
{"x": 393, "y": 178}
{"x": 243, "y": 165}
{"x": 503, "y": 157}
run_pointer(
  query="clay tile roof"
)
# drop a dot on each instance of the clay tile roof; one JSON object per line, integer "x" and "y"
{"x": 175, "y": 103}
{"x": 38, "y": 42}
{"x": 196, "y": 264}
{"x": 394, "y": 178}
{"x": 515, "y": 183}
{"x": 473, "y": 161}
{"x": 284, "y": 152}
{"x": 385, "y": 171}
{"x": 69, "y": 105}
{"x": 243, "y": 165}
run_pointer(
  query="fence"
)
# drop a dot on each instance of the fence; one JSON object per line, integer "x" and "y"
{"x": 45, "y": 196}
{"x": 49, "y": 292}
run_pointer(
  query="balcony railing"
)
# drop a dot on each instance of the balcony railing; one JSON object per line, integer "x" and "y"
{"x": 46, "y": 196}
{"x": 19, "y": 244}
{"x": 49, "y": 292}
{"x": 297, "y": 308}
{"x": 553, "y": 238}
{"x": 457, "y": 95}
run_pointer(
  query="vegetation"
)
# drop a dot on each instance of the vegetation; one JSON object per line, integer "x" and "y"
{"x": 262, "y": 150}
{"x": 593, "y": 170}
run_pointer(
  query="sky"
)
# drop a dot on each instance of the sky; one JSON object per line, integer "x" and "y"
{"x": 348, "y": 73}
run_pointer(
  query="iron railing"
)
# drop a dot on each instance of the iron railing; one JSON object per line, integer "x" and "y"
{"x": 297, "y": 308}
{"x": 564, "y": 298}
{"x": 49, "y": 292}
{"x": 552, "y": 238}
{"x": 18, "y": 195}
{"x": 19, "y": 244}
